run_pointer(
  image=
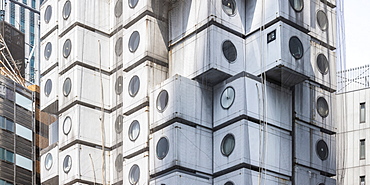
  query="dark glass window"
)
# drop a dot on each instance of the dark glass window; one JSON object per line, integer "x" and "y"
{"x": 229, "y": 183}
{"x": 48, "y": 87}
{"x": 119, "y": 124}
{"x": 134, "y": 41}
{"x": 67, "y": 86}
{"x": 162, "y": 148}
{"x": 362, "y": 149}
{"x": 132, "y": 3}
{"x": 229, "y": 7}
{"x": 362, "y": 180}
{"x": 118, "y": 8}
{"x": 322, "y": 107}
{"x": 296, "y": 47}
{"x": 67, "y": 9}
{"x": 48, "y": 50}
{"x": 362, "y": 113}
{"x": 119, "y": 163}
{"x": 322, "y": 20}
{"x": 134, "y": 174}
{"x": 67, "y": 125}
{"x": 48, "y": 161}
{"x": 229, "y": 51}
{"x": 162, "y": 100}
{"x": 227, "y": 145}
{"x": 322, "y": 64}
{"x": 297, "y": 5}
{"x": 67, "y": 47}
{"x": 322, "y": 149}
{"x": 118, "y": 46}
{"x": 227, "y": 97}
{"x": 67, "y": 163}
{"x": 119, "y": 85}
{"x": 134, "y": 130}
{"x": 134, "y": 86}
{"x": 48, "y": 13}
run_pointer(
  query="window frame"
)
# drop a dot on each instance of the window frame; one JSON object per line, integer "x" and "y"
{"x": 362, "y": 149}
{"x": 362, "y": 107}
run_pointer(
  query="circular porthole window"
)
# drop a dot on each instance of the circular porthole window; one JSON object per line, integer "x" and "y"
{"x": 132, "y": 3}
{"x": 67, "y": 164}
{"x": 47, "y": 88}
{"x": 67, "y": 9}
{"x": 48, "y": 13}
{"x": 322, "y": 20}
{"x": 322, "y": 149}
{"x": 67, "y": 46}
{"x": 162, "y": 148}
{"x": 134, "y": 130}
{"x": 134, "y": 86}
{"x": 119, "y": 85}
{"x": 297, "y": 5}
{"x": 229, "y": 183}
{"x": 322, "y": 64}
{"x": 67, "y": 125}
{"x": 227, "y": 97}
{"x": 134, "y": 41}
{"x": 119, "y": 163}
{"x": 229, "y": 51}
{"x": 321, "y": 184}
{"x": 296, "y": 47}
{"x": 322, "y": 107}
{"x": 118, "y": 47}
{"x": 67, "y": 86}
{"x": 229, "y": 7}
{"x": 119, "y": 124}
{"x": 48, "y": 161}
{"x": 118, "y": 8}
{"x": 162, "y": 100}
{"x": 227, "y": 145}
{"x": 134, "y": 174}
{"x": 47, "y": 51}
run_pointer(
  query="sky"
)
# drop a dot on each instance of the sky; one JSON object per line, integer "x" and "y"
{"x": 357, "y": 32}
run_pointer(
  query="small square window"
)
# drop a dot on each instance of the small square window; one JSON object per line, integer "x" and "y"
{"x": 362, "y": 113}
{"x": 362, "y": 149}
{"x": 271, "y": 36}
{"x": 362, "y": 180}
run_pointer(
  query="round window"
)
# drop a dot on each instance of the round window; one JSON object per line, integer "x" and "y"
{"x": 48, "y": 13}
{"x": 134, "y": 86}
{"x": 67, "y": 164}
{"x": 134, "y": 174}
{"x": 322, "y": 107}
{"x": 67, "y": 46}
{"x": 118, "y": 8}
{"x": 119, "y": 163}
{"x": 134, "y": 130}
{"x": 119, "y": 124}
{"x": 48, "y": 161}
{"x": 321, "y": 184}
{"x": 229, "y": 51}
{"x": 162, "y": 100}
{"x": 296, "y": 47}
{"x": 162, "y": 148}
{"x": 229, "y": 183}
{"x": 322, "y": 64}
{"x": 229, "y": 7}
{"x": 118, "y": 46}
{"x": 322, "y": 20}
{"x": 47, "y": 88}
{"x": 67, "y": 9}
{"x": 322, "y": 149}
{"x": 134, "y": 41}
{"x": 47, "y": 51}
{"x": 227, "y": 145}
{"x": 297, "y": 5}
{"x": 227, "y": 97}
{"x": 118, "y": 85}
{"x": 67, "y": 86}
{"x": 132, "y": 3}
{"x": 67, "y": 125}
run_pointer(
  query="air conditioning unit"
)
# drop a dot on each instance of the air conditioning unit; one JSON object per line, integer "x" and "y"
{"x": 145, "y": 40}
{"x": 315, "y": 106}
{"x": 181, "y": 146}
{"x": 179, "y": 98}
{"x": 242, "y": 96}
{"x": 315, "y": 149}
{"x": 209, "y": 56}
{"x": 93, "y": 14}
{"x": 49, "y": 91}
{"x": 49, "y": 18}
{"x": 116, "y": 165}
{"x": 83, "y": 124}
{"x": 181, "y": 178}
{"x": 241, "y": 144}
{"x": 323, "y": 62}
{"x": 49, "y": 53}
{"x": 116, "y": 131}
{"x": 117, "y": 15}
{"x": 82, "y": 163}
{"x": 135, "y": 9}
{"x": 281, "y": 52}
{"x": 49, "y": 165}
{"x": 135, "y": 169}
{"x": 138, "y": 82}
{"x": 77, "y": 85}
{"x": 308, "y": 176}
{"x": 116, "y": 50}
{"x": 84, "y": 47}
{"x": 248, "y": 176}
{"x": 323, "y": 23}
{"x": 135, "y": 132}
{"x": 189, "y": 17}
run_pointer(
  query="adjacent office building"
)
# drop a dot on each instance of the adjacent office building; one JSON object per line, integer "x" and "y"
{"x": 189, "y": 92}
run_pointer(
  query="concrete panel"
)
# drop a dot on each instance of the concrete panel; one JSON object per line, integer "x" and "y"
{"x": 307, "y": 176}
{"x": 49, "y": 56}
{"x": 201, "y": 56}
{"x": 248, "y": 148}
{"x": 142, "y": 161}
{"x": 181, "y": 178}
{"x": 307, "y": 149}
{"x": 248, "y": 102}
{"x": 94, "y": 14}
{"x": 156, "y": 8}
{"x": 46, "y": 27}
{"x": 49, "y": 102}
{"x": 187, "y": 100}
{"x": 53, "y": 165}
{"x": 188, "y": 147}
